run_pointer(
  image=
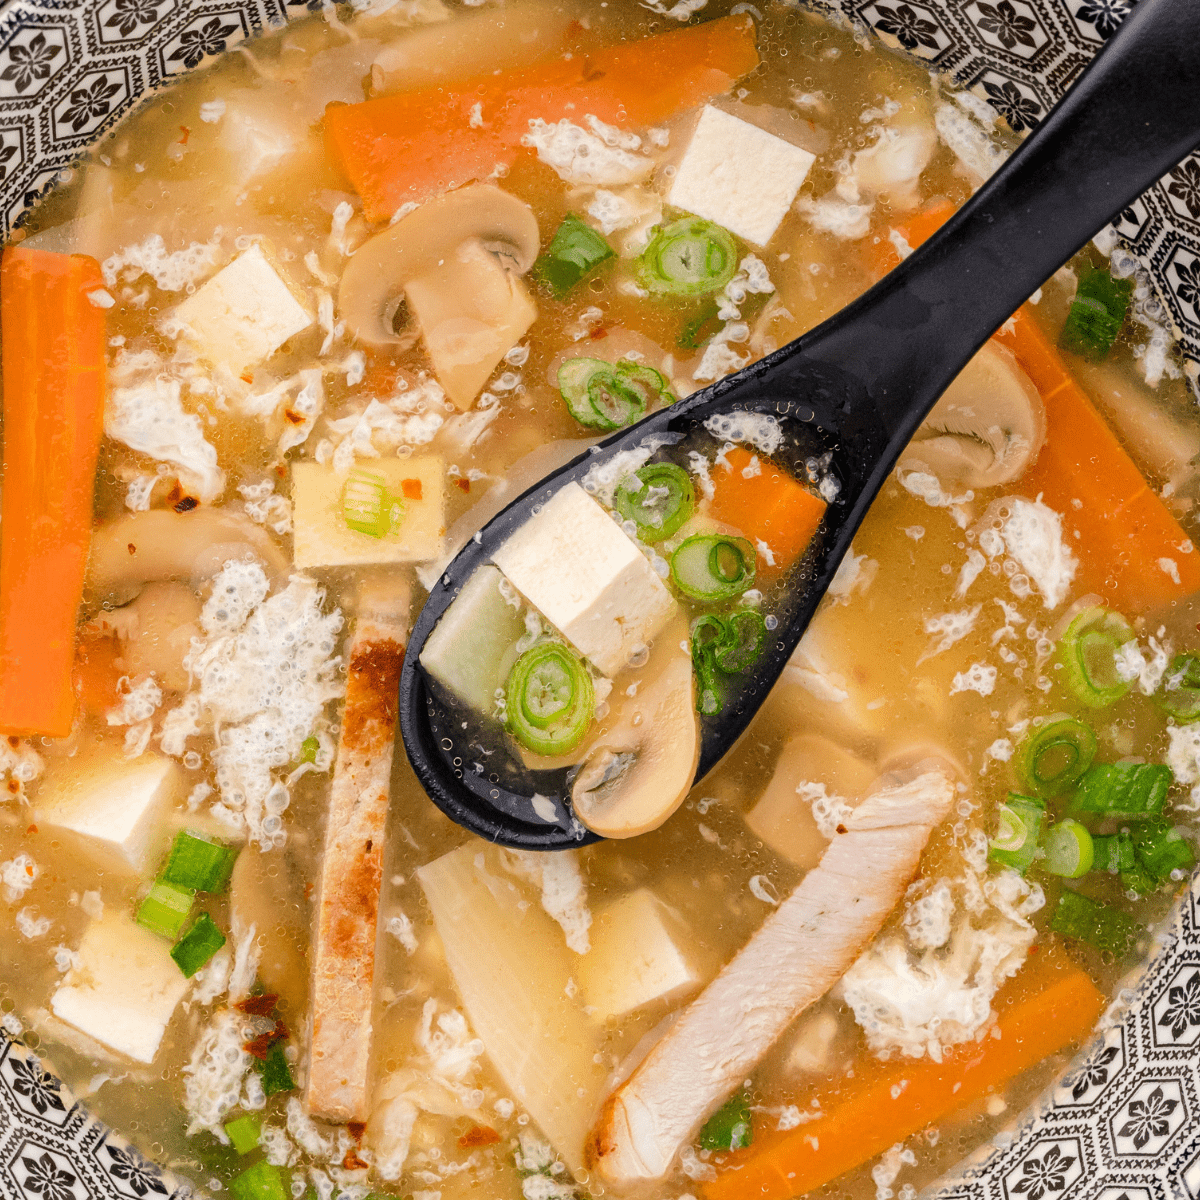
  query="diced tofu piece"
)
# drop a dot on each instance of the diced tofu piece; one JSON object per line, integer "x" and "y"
{"x": 120, "y": 807}
{"x": 638, "y": 956}
{"x": 813, "y": 1039}
{"x": 125, "y": 988}
{"x": 739, "y": 176}
{"x": 784, "y": 819}
{"x": 471, "y": 312}
{"x": 473, "y": 647}
{"x": 323, "y": 539}
{"x": 573, "y": 564}
{"x": 244, "y": 313}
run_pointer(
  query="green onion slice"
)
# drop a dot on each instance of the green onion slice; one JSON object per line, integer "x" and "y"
{"x": 713, "y": 567}
{"x": 198, "y": 945}
{"x": 165, "y": 909}
{"x": 263, "y": 1181}
{"x": 1088, "y": 652}
{"x": 743, "y": 646}
{"x": 1069, "y": 851}
{"x": 1016, "y": 843}
{"x": 198, "y": 862}
{"x": 658, "y": 498}
{"x": 1107, "y": 928}
{"x": 651, "y": 385}
{"x": 1179, "y": 693}
{"x": 688, "y": 257}
{"x": 276, "y": 1071}
{"x": 1114, "y": 854}
{"x": 1127, "y": 791}
{"x": 614, "y": 404}
{"x": 1096, "y": 314}
{"x": 244, "y": 1132}
{"x": 575, "y": 251}
{"x": 367, "y": 505}
{"x": 1161, "y": 849}
{"x": 605, "y": 396}
{"x": 1055, "y": 753}
{"x": 550, "y": 699}
{"x": 731, "y": 1127}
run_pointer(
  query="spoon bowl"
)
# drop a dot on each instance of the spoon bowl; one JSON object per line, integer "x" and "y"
{"x": 850, "y": 393}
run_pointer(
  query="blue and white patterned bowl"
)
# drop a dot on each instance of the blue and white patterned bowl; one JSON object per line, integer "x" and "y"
{"x": 1124, "y": 1124}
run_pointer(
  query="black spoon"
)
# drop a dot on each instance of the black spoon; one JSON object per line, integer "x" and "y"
{"x": 857, "y": 387}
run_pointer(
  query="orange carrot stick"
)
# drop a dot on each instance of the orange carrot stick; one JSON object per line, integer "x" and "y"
{"x": 1048, "y": 1006}
{"x": 883, "y": 255}
{"x": 53, "y": 371}
{"x": 410, "y": 146}
{"x": 768, "y": 506}
{"x": 1131, "y": 549}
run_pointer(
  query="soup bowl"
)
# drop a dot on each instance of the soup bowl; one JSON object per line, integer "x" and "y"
{"x": 1123, "y": 1122}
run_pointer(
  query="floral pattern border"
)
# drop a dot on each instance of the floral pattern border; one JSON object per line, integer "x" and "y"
{"x": 1124, "y": 1123}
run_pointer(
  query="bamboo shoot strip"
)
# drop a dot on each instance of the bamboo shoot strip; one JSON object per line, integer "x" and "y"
{"x": 352, "y": 867}
{"x": 53, "y": 366}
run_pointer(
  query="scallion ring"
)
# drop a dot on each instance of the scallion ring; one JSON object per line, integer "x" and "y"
{"x": 1088, "y": 653}
{"x": 743, "y": 646}
{"x": 688, "y": 257}
{"x": 713, "y": 567}
{"x": 614, "y": 404}
{"x": 1178, "y": 694}
{"x": 1069, "y": 850}
{"x": 1055, "y": 753}
{"x": 550, "y": 699}
{"x": 658, "y": 498}
{"x": 605, "y": 396}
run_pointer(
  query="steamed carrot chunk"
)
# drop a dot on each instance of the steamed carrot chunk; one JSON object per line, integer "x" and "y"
{"x": 408, "y": 147}
{"x": 53, "y": 363}
{"x": 769, "y": 507}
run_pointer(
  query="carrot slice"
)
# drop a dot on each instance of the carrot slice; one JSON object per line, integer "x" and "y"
{"x": 53, "y": 370}
{"x": 768, "y": 506}
{"x": 1048, "y": 1006}
{"x": 1132, "y": 551}
{"x": 883, "y": 254}
{"x": 410, "y": 146}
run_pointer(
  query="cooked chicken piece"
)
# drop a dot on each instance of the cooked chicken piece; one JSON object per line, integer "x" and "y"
{"x": 801, "y": 950}
{"x": 348, "y": 910}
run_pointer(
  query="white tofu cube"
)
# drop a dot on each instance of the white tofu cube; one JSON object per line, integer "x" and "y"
{"x": 471, "y": 312}
{"x": 322, "y": 537}
{"x": 473, "y": 647}
{"x": 783, "y": 818}
{"x": 120, "y": 807}
{"x": 244, "y": 313}
{"x": 125, "y": 989}
{"x": 638, "y": 956}
{"x": 739, "y": 176}
{"x": 574, "y": 564}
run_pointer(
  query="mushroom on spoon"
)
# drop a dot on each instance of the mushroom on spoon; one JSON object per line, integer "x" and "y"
{"x": 853, "y": 392}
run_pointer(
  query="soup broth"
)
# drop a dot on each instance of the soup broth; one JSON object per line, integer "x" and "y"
{"x": 288, "y": 462}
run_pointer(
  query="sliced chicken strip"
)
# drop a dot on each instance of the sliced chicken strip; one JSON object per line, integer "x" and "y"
{"x": 802, "y": 949}
{"x": 348, "y": 909}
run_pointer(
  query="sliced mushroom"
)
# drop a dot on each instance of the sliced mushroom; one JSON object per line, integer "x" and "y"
{"x": 986, "y": 429}
{"x": 155, "y": 632}
{"x": 139, "y": 548}
{"x": 377, "y": 275}
{"x": 637, "y": 775}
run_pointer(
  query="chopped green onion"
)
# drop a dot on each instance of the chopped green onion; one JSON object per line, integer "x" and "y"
{"x": 1178, "y": 694}
{"x": 605, "y": 396}
{"x": 689, "y": 257}
{"x": 1161, "y": 849}
{"x": 731, "y": 1127}
{"x": 713, "y": 567}
{"x": 651, "y": 385}
{"x": 658, "y": 497}
{"x": 198, "y": 945}
{"x": 1138, "y": 880}
{"x": 743, "y": 646}
{"x": 1088, "y": 652}
{"x": 244, "y": 1132}
{"x": 1096, "y": 314}
{"x": 199, "y": 863}
{"x": 1127, "y": 791}
{"x": 309, "y": 749}
{"x": 1099, "y": 925}
{"x": 165, "y": 909}
{"x": 700, "y": 329}
{"x": 275, "y": 1071}
{"x": 575, "y": 251}
{"x": 1114, "y": 854}
{"x": 367, "y": 505}
{"x": 1068, "y": 847}
{"x": 550, "y": 699}
{"x": 614, "y": 404}
{"x": 263, "y": 1181}
{"x": 1055, "y": 753}
{"x": 574, "y": 375}
{"x": 1016, "y": 843}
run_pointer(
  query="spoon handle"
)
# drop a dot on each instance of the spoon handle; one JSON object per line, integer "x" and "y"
{"x": 1133, "y": 114}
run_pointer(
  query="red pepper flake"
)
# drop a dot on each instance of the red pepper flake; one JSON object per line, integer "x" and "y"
{"x": 14, "y": 786}
{"x": 132, "y": 548}
{"x": 13, "y": 741}
{"x": 186, "y": 132}
{"x": 260, "y": 1046}
{"x": 598, "y": 332}
{"x": 356, "y": 1129}
{"x": 29, "y": 869}
{"x": 281, "y": 471}
{"x": 352, "y": 1162}
{"x": 479, "y": 1135}
{"x": 290, "y": 414}
{"x": 247, "y": 377}
{"x": 841, "y": 829}
{"x": 411, "y": 489}
{"x": 463, "y": 484}
{"x": 258, "y": 1006}
{"x": 308, "y": 891}
{"x": 187, "y": 504}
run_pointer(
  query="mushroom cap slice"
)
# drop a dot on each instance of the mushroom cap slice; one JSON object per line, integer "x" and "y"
{"x": 986, "y": 429}
{"x": 634, "y": 778}
{"x": 377, "y": 274}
